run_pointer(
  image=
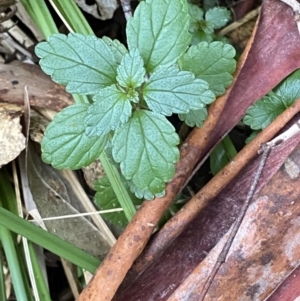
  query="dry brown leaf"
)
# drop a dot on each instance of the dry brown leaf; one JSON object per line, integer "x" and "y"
{"x": 12, "y": 141}
{"x": 38, "y": 124}
{"x": 266, "y": 248}
{"x": 240, "y": 36}
{"x": 93, "y": 172}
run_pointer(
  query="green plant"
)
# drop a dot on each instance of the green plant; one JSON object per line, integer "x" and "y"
{"x": 14, "y": 251}
{"x": 204, "y": 23}
{"x": 265, "y": 110}
{"x": 131, "y": 91}
{"x": 106, "y": 198}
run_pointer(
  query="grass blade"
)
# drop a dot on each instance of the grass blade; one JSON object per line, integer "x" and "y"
{"x": 48, "y": 241}
{"x": 13, "y": 263}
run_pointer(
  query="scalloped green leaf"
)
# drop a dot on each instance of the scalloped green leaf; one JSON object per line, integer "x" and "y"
{"x": 85, "y": 64}
{"x": 170, "y": 90}
{"x": 289, "y": 88}
{"x": 212, "y": 62}
{"x": 264, "y": 111}
{"x": 218, "y": 17}
{"x": 65, "y": 144}
{"x": 146, "y": 149}
{"x": 197, "y": 15}
{"x": 194, "y": 117}
{"x": 131, "y": 72}
{"x": 159, "y": 29}
{"x": 144, "y": 193}
{"x": 110, "y": 109}
{"x": 201, "y": 31}
{"x": 118, "y": 49}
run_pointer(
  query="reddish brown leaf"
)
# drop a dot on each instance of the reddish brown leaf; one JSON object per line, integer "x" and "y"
{"x": 266, "y": 248}
{"x": 180, "y": 259}
{"x": 289, "y": 290}
{"x": 241, "y": 8}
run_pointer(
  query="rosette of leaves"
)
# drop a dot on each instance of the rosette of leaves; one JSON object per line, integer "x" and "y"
{"x": 204, "y": 23}
{"x": 132, "y": 92}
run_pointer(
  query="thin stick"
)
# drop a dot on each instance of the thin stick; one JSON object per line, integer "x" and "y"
{"x": 126, "y": 8}
{"x": 232, "y": 26}
{"x": 78, "y": 215}
{"x": 265, "y": 149}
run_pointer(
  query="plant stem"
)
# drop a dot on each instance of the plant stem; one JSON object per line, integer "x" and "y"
{"x": 74, "y": 16}
{"x": 118, "y": 187}
{"x": 183, "y": 131}
{"x": 80, "y": 98}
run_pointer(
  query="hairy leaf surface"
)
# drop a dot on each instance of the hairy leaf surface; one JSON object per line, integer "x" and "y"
{"x": 159, "y": 29}
{"x": 265, "y": 110}
{"x": 118, "y": 49}
{"x": 144, "y": 193}
{"x": 194, "y": 117}
{"x": 170, "y": 90}
{"x": 85, "y": 64}
{"x": 111, "y": 108}
{"x": 146, "y": 149}
{"x": 290, "y": 89}
{"x": 65, "y": 144}
{"x": 131, "y": 72}
{"x": 212, "y": 62}
{"x": 217, "y": 17}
